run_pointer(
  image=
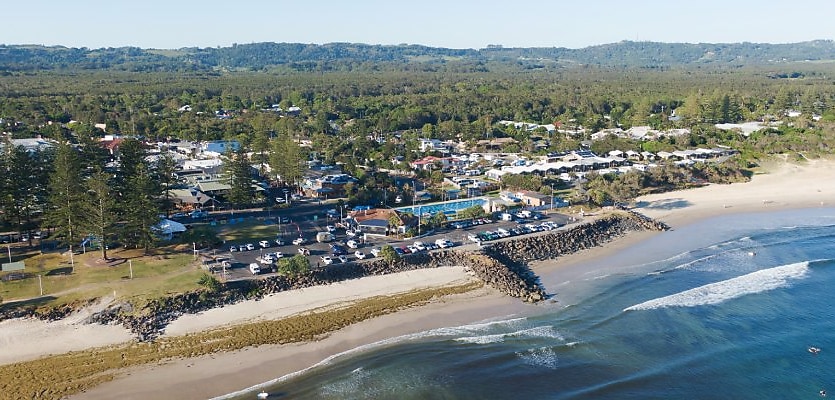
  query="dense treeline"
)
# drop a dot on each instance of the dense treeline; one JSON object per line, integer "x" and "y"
{"x": 364, "y": 57}
{"x": 370, "y": 121}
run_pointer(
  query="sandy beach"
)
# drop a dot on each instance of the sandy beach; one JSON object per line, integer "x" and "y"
{"x": 785, "y": 186}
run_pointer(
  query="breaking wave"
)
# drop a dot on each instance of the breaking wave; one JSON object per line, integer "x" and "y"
{"x": 535, "y": 332}
{"x": 714, "y": 293}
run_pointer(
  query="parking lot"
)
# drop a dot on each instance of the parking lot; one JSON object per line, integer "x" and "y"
{"x": 474, "y": 232}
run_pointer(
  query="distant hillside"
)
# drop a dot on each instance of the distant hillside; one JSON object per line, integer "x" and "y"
{"x": 350, "y": 56}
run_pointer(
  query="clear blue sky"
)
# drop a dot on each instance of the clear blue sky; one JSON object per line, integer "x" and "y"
{"x": 438, "y": 23}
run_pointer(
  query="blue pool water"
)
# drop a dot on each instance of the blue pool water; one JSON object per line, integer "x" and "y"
{"x": 446, "y": 207}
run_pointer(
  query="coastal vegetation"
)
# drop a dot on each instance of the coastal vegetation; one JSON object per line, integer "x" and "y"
{"x": 62, "y": 375}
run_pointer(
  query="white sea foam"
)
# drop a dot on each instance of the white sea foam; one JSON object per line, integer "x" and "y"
{"x": 714, "y": 293}
{"x": 535, "y": 332}
{"x": 540, "y": 357}
{"x": 440, "y": 332}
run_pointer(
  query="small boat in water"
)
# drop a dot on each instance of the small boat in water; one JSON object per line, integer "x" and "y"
{"x": 263, "y": 395}
{"x": 814, "y": 350}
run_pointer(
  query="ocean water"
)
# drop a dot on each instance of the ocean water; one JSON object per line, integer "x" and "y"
{"x": 723, "y": 309}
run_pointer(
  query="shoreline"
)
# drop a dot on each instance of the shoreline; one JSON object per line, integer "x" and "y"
{"x": 788, "y": 186}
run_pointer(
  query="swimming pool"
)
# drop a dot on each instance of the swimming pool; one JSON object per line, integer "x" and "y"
{"x": 450, "y": 208}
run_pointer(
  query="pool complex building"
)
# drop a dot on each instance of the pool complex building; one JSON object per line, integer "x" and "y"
{"x": 449, "y": 208}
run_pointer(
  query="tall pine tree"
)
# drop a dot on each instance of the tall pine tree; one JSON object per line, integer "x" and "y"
{"x": 66, "y": 202}
{"x": 101, "y": 208}
{"x": 141, "y": 212}
{"x": 239, "y": 173}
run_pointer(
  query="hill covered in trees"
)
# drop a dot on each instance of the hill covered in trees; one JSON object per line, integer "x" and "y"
{"x": 353, "y": 56}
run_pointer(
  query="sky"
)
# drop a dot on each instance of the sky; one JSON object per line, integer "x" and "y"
{"x": 171, "y": 24}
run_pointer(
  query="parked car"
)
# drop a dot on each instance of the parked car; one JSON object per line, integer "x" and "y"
{"x": 342, "y": 258}
{"x": 359, "y": 255}
{"x": 298, "y": 241}
{"x": 304, "y": 251}
{"x": 233, "y": 248}
{"x": 375, "y": 251}
{"x": 264, "y": 244}
{"x": 280, "y": 200}
{"x": 419, "y": 245}
{"x": 279, "y": 242}
{"x": 327, "y": 260}
{"x": 331, "y": 228}
{"x": 444, "y": 243}
{"x": 353, "y": 244}
{"x": 178, "y": 215}
{"x": 250, "y": 246}
{"x": 254, "y": 268}
{"x": 198, "y": 214}
{"x": 412, "y": 248}
{"x": 338, "y": 250}
{"x": 278, "y": 255}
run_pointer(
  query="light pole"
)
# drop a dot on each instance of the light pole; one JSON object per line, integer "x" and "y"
{"x": 419, "y": 214}
{"x": 552, "y": 196}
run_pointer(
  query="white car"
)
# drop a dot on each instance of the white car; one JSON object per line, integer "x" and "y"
{"x": 412, "y": 248}
{"x": 352, "y": 244}
{"x": 444, "y": 243}
{"x": 359, "y": 255}
{"x": 279, "y": 242}
{"x": 419, "y": 245}
{"x": 298, "y": 241}
{"x": 342, "y": 258}
{"x": 331, "y": 228}
{"x": 278, "y": 255}
{"x": 264, "y": 244}
{"x": 375, "y": 251}
{"x": 267, "y": 259}
{"x": 327, "y": 260}
{"x": 250, "y": 246}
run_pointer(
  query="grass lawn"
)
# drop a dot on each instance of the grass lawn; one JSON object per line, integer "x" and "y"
{"x": 250, "y": 231}
{"x": 169, "y": 269}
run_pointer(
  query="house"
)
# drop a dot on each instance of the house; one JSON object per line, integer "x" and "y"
{"x": 328, "y": 186}
{"x": 33, "y": 145}
{"x": 432, "y": 145}
{"x": 214, "y": 188}
{"x": 429, "y": 163}
{"x": 371, "y": 221}
{"x": 191, "y": 199}
{"x": 533, "y": 199}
